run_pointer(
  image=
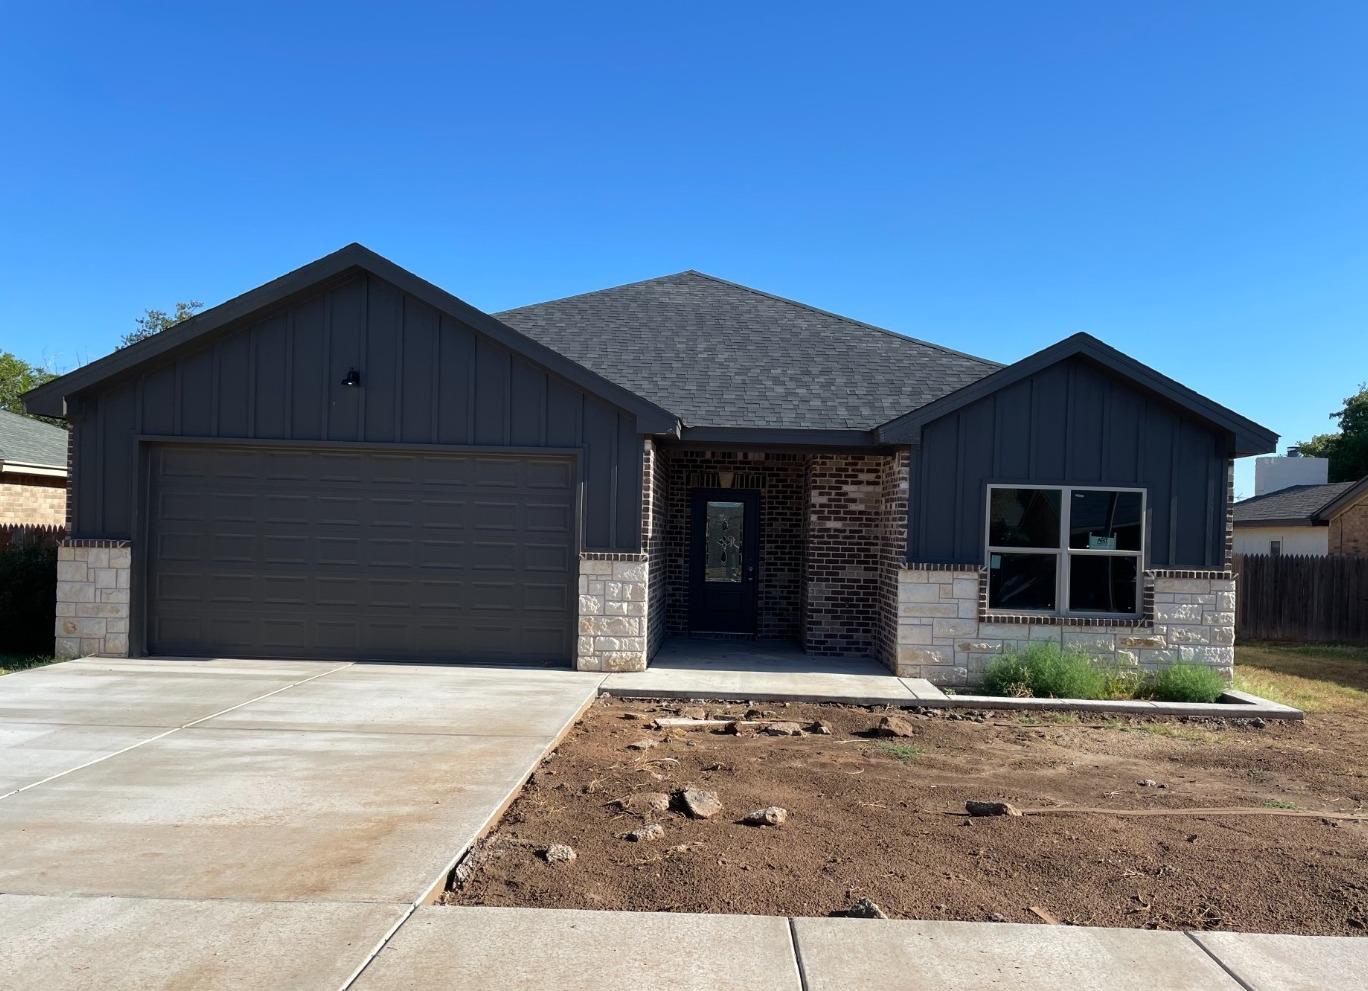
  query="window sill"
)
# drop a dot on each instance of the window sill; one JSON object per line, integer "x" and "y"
{"x": 1052, "y": 619}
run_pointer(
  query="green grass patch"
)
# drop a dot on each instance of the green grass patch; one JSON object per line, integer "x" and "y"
{"x": 902, "y": 751}
{"x": 1312, "y": 677}
{"x": 1184, "y": 683}
{"x": 1278, "y": 803}
{"x": 1044, "y": 670}
{"x": 9, "y": 663}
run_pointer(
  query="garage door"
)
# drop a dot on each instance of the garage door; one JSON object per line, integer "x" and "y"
{"x": 346, "y": 553}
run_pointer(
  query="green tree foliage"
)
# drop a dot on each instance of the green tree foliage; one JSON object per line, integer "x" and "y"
{"x": 155, "y": 321}
{"x": 1348, "y": 449}
{"x": 17, "y": 377}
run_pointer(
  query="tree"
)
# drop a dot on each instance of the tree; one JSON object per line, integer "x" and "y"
{"x": 17, "y": 377}
{"x": 1348, "y": 449}
{"x": 155, "y": 321}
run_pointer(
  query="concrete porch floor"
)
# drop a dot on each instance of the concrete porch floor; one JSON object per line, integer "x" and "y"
{"x": 778, "y": 670}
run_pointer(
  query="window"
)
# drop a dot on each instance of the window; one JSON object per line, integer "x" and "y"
{"x": 1275, "y": 548}
{"x": 1062, "y": 549}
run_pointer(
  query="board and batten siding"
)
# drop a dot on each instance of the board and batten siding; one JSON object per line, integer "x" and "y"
{"x": 1071, "y": 424}
{"x": 426, "y": 378}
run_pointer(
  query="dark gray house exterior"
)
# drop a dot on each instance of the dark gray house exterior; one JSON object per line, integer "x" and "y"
{"x": 351, "y": 462}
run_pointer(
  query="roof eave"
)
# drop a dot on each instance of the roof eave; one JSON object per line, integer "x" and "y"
{"x": 1247, "y": 436}
{"x": 1344, "y": 500}
{"x": 780, "y": 436}
{"x": 1284, "y": 522}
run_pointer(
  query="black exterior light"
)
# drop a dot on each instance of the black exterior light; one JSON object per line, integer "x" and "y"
{"x": 353, "y": 377}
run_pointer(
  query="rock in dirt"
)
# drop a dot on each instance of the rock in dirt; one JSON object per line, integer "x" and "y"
{"x": 645, "y": 834}
{"x": 1148, "y": 783}
{"x": 692, "y": 712}
{"x": 895, "y": 726}
{"x": 865, "y": 909}
{"x": 738, "y": 727}
{"x": 771, "y": 815}
{"x": 643, "y": 745}
{"x": 559, "y": 853}
{"x": 991, "y": 809}
{"x": 1257, "y": 723}
{"x": 644, "y": 802}
{"x": 820, "y": 728}
{"x": 784, "y": 728}
{"x": 699, "y": 804}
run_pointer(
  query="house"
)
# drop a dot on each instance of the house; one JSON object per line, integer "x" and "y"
{"x": 1306, "y": 519}
{"x": 352, "y": 462}
{"x": 33, "y": 471}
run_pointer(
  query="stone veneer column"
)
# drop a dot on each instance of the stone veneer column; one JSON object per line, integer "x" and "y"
{"x": 93, "y": 598}
{"x": 612, "y": 613}
{"x": 946, "y": 635}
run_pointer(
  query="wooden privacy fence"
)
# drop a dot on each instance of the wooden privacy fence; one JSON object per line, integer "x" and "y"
{"x": 26, "y": 535}
{"x": 1317, "y": 599}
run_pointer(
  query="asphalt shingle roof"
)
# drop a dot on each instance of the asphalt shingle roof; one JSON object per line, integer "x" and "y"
{"x": 31, "y": 442}
{"x": 1296, "y": 502}
{"x": 723, "y": 355}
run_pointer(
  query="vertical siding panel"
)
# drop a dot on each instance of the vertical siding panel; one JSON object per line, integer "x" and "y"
{"x": 600, "y": 435}
{"x": 308, "y": 369}
{"x": 159, "y": 401}
{"x": 563, "y": 411}
{"x": 196, "y": 393}
{"x": 1121, "y": 439}
{"x": 346, "y": 325}
{"x": 940, "y": 445}
{"x": 231, "y": 374}
{"x": 118, "y": 447}
{"x": 1087, "y": 395}
{"x": 1156, "y": 457}
{"x": 1049, "y": 424}
{"x": 457, "y": 359}
{"x": 528, "y": 413}
{"x": 491, "y": 400}
{"x": 380, "y": 364}
{"x": 1012, "y": 431}
{"x": 89, "y": 521}
{"x": 417, "y": 389}
{"x": 977, "y": 444}
{"x": 270, "y": 385}
{"x": 627, "y": 500}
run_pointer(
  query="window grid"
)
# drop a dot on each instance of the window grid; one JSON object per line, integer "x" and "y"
{"x": 1063, "y": 553}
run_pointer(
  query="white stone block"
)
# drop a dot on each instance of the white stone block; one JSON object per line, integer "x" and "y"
{"x": 590, "y": 605}
{"x": 1178, "y": 612}
{"x": 954, "y": 627}
{"x": 73, "y": 571}
{"x": 908, "y": 592}
{"x": 120, "y": 557}
{"x": 966, "y": 588}
{"x": 629, "y": 571}
{"x": 97, "y": 557}
{"x": 75, "y": 592}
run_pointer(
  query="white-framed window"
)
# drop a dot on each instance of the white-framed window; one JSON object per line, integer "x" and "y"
{"x": 1065, "y": 549}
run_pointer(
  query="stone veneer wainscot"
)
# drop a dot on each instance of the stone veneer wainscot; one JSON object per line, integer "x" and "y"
{"x": 612, "y": 612}
{"x": 93, "y": 598}
{"x": 947, "y": 635}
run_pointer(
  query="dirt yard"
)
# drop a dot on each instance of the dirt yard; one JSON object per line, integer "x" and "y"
{"x": 883, "y": 818}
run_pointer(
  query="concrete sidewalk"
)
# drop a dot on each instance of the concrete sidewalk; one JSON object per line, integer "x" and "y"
{"x": 559, "y": 950}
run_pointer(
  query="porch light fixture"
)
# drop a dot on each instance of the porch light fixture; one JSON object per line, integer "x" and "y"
{"x": 353, "y": 377}
{"x": 725, "y": 479}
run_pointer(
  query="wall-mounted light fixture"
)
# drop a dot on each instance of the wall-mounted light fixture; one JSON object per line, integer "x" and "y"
{"x": 725, "y": 478}
{"x": 353, "y": 377}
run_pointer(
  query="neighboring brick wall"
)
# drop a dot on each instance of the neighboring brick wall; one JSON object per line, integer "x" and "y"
{"x": 612, "y": 612}
{"x": 92, "y": 597}
{"x": 779, "y": 479}
{"x": 654, "y": 513}
{"x": 35, "y": 499}
{"x": 844, "y": 540}
{"x": 1349, "y": 530}
{"x": 945, "y": 635}
{"x": 893, "y": 494}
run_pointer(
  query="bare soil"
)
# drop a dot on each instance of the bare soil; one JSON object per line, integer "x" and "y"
{"x": 880, "y": 818}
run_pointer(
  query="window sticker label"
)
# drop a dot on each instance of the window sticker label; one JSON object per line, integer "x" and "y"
{"x": 1096, "y": 543}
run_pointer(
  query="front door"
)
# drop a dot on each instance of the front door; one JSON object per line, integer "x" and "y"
{"x": 723, "y": 550}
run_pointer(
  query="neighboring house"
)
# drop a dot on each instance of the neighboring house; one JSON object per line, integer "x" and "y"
{"x": 1305, "y": 519}
{"x": 352, "y": 462}
{"x": 33, "y": 471}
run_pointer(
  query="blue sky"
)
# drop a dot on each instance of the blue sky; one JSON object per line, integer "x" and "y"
{"x": 1189, "y": 181}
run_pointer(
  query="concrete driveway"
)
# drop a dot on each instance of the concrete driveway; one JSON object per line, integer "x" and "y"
{"x": 222, "y": 823}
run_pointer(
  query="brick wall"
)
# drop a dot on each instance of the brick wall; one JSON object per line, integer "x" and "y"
{"x": 38, "y": 499}
{"x": 654, "y": 514}
{"x": 893, "y": 494}
{"x": 1349, "y": 530}
{"x": 779, "y": 479}
{"x": 845, "y": 538}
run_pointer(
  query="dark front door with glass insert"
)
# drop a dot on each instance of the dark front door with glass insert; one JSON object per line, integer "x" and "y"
{"x": 723, "y": 548}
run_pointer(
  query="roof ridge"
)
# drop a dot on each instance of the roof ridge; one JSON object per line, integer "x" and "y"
{"x": 905, "y": 338}
{"x": 597, "y": 292}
